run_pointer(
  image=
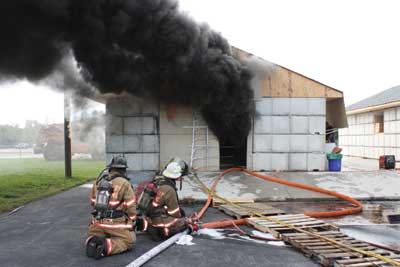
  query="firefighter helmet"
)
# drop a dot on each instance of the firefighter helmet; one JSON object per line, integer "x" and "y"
{"x": 118, "y": 162}
{"x": 176, "y": 168}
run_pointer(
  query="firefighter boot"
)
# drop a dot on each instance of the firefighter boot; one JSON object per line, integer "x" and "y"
{"x": 96, "y": 247}
{"x": 156, "y": 234}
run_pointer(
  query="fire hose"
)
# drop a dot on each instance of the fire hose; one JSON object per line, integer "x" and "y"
{"x": 219, "y": 224}
{"x": 353, "y": 210}
{"x": 211, "y": 194}
{"x": 157, "y": 250}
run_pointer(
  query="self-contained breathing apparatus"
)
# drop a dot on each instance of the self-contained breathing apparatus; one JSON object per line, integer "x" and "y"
{"x": 146, "y": 198}
{"x": 175, "y": 169}
{"x": 149, "y": 193}
{"x": 102, "y": 202}
{"x": 105, "y": 189}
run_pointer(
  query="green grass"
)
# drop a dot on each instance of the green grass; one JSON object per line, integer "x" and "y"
{"x": 25, "y": 180}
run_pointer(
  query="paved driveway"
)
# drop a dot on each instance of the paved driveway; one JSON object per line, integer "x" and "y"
{"x": 51, "y": 232}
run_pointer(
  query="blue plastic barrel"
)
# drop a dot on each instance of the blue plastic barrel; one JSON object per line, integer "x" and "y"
{"x": 335, "y": 165}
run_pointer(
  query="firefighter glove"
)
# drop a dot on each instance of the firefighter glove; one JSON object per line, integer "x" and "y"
{"x": 140, "y": 224}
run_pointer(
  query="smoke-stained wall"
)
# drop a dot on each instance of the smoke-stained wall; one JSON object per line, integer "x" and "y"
{"x": 184, "y": 133}
{"x": 148, "y": 137}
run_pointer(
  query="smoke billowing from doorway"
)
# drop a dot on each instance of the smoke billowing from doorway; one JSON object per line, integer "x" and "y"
{"x": 145, "y": 47}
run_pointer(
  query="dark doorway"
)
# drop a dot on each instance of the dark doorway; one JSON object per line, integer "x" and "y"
{"x": 232, "y": 155}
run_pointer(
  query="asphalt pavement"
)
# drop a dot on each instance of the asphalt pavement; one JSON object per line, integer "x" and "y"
{"x": 52, "y": 232}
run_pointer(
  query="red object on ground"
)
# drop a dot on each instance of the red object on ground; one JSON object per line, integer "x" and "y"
{"x": 387, "y": 162}
{"x": 381, "y": 162}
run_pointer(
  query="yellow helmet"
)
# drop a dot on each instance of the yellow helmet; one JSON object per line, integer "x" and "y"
{"x": 175, "y": 168}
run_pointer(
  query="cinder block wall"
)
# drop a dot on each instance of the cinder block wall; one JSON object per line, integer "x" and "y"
{"x": 132, "y": 129}
{"x": 361, "y": 140}
{"x": 288, "y": 134}
{"x": 176, "y": 139}
{"x": 142, "y": 132}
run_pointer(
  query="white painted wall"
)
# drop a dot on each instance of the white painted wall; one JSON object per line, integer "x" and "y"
{"x": 360, "y": 139}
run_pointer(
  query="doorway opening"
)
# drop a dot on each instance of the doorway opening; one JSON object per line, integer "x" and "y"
{"x": 232, "y": 155}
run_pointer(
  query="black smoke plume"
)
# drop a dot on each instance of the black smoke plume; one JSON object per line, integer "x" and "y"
{"x": 145, "y": 47}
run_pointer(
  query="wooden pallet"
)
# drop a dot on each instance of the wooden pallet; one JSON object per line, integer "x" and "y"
{"x": 326, "y": 253}
{"x": 300, "y": 221}
{"x": 365, "y": 262}
{"x": 217, "y": 202}
{"x": 323, "y": 251}
{"x": 258, "y": 207}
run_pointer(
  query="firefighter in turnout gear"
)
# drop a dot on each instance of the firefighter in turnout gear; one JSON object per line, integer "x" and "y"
{"x": 159, "y": 203}
{"x": 113, "y": 199}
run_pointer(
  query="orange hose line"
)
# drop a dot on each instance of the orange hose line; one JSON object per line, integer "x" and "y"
{"x": 217, "y": 224}
{"x": 348, "y": 211}
{"x": 234, "y": 223}
{"x": 210, "y": 195}
{"x": 222, "y": 224}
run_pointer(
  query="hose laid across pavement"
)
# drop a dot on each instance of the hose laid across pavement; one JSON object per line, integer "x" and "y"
{"x": 158, "y": 249}
{"x": 357, "y": 209}
{"x": 358, "y": 206}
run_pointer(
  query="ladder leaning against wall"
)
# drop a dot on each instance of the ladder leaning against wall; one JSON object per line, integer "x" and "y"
{"x": 200, "y": 143}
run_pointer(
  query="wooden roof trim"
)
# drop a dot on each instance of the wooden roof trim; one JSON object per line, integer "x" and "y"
{"x": 374, "y": 108}
{"x": 329, "y": 92}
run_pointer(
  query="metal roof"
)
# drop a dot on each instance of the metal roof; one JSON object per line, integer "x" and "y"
{"x": 387, "y": 96}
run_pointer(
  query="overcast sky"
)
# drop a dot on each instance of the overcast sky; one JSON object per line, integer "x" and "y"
{"x": 352, "y": 45}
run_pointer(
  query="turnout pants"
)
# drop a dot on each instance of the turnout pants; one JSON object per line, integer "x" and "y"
{"x": 118, "y": 240}
{"x": 167, "y": 225}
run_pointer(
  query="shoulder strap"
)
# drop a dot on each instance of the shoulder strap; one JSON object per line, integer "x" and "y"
{"x": 168, "y": 182}
{"x": 112, "y": 177}
{"x": 160, "y": 182}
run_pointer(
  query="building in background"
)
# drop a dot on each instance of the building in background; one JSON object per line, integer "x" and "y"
{"x": 374, "y": 126}
{"x": 288, "y": 127}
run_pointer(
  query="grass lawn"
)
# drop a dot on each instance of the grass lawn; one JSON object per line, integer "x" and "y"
{"x": 24, "y": 180}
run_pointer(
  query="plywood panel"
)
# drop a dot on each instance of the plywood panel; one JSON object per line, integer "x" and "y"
{"x": 303, "y": 87}
{"x": 331, "y": 93}
{"x": 280, "y": 83}
{"x": 285, "y": 83}
{"x": 266, "y": 86}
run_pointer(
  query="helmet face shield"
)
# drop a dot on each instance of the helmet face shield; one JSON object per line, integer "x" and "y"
{"x": 175, "y": 169}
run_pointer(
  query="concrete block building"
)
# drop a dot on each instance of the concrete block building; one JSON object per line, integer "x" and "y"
{"x": 288, "y": 126}
{"x": 374, "y": 126}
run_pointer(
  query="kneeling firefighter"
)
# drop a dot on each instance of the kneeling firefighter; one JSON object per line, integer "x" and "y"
{"x": 113, "y": 198}
{"x": 159, "y": 203}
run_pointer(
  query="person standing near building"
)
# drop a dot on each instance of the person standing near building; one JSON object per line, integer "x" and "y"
{"x": 113, "y": 198}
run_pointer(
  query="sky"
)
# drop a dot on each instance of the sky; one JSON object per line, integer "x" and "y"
{"x": 353, "y": 46}
{"x": 23, "y": 101}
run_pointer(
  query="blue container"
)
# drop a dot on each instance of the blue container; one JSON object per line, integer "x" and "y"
{"x": 335, "y": 165}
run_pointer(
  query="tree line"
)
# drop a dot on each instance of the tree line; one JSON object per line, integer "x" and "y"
{"x": 11, "y": 135}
